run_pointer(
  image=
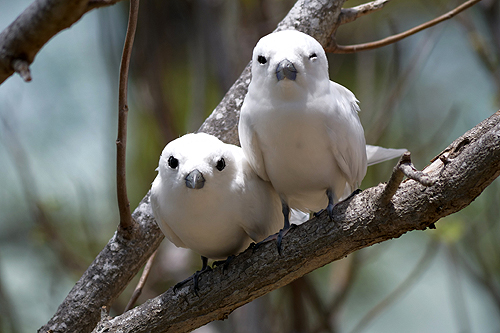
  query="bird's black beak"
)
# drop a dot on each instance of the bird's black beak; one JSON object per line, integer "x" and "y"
{"x": 195, "y": 179}
{"x": 286, "y": 69}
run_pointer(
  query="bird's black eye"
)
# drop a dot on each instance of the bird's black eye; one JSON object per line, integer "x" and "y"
{"x": 173, "y": 162}
{"x": 313, "y": 56}
{"x": 261, "y": 59}
{"x": 221, "y": 164}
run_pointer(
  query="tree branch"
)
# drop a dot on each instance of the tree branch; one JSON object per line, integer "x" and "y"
{"x": 122, "y": 258}
{"x": 348, "y": 15}
{"x": 142, "y": 282}
{"x": 403, "y": 168}
{"x": 126, "y": 221}
{"x": 334, "y": 48}
{"x": 358, "y": 222}
{"x": 43, "y": 19}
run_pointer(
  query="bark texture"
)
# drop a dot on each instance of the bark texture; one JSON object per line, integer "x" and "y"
{"x": 461, "y": 173}
{"x": 123, "y": 257}
{"x": 468, "y": 166}
{"x": 43, "y": 19}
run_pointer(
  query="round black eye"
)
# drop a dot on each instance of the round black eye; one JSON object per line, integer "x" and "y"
{"x": 173, "y": 162}
{"x": 313, "y": 56}
{"x": 261, "y": 59}
{"x": 221, "y": 164}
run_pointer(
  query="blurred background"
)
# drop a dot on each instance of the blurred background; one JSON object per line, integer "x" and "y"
{"x": 57, "y": 155}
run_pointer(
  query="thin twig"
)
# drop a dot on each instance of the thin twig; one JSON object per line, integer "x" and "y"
{"x": 348, "y": 15}
{"x": 126, "y": 220}
{"x": 334, "y": 48}
{"x": 419, "y": 269}
{"x": 142, "y": 282}
{"x": 403, "y": 168}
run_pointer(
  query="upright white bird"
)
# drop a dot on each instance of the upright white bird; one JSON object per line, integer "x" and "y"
{"x": 298, "y": 129}
{"x": 206, "y": 197}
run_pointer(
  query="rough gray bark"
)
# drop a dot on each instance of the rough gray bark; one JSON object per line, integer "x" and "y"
{"x": 23, "y": 38}
{"x": 466, "y": 168}
{"x": 470, "y": 165}
{"x": 122, "y": 258}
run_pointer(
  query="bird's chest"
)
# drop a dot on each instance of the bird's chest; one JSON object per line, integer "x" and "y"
{"x": 209, "y": 226}
{"x": 296, "y": 147}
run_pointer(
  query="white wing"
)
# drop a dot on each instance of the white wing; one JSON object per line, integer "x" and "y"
{"x": 250, "y": 142}
{"x": 376, "y": 154}
{"x": 347, "y": 135}
{"x": 157, "y": 206}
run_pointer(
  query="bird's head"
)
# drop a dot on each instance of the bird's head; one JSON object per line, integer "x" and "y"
{"x": 289, "y": 61}
{"x": 197, "y": 161}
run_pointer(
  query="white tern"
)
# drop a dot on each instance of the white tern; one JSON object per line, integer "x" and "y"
{"x": 301, "y": 131}
{"x": 206, "y": 197}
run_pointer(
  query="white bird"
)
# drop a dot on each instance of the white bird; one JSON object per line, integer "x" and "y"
{"x": 207, "y": 198}
{"x": 298, "y": 129}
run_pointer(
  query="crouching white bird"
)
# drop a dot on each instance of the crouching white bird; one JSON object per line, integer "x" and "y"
{"x": 207, "y": 198}
{"x": 298, "y": 129}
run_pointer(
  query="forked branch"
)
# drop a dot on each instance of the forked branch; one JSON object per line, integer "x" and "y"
{"x": 333, "y": 47}
{"x": 404, "y": 168}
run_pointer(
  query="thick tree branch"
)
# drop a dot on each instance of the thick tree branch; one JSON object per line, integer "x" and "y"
{"x": 23, "y": 38}
{"x": 334, "y": 48}
{"x": 358, "y": 222}
{"x": 122, "y": 258}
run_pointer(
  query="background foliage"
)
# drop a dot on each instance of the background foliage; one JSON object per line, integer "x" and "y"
{"x": 57, "y": 153}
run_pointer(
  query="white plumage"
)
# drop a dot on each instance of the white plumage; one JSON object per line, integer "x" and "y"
{"x": 206, "y": 197}
{"x": 300, "y": 130}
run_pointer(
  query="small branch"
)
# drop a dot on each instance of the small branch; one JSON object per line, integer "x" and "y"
{"x": 358, "y": 223}
{"x": 122, "y": 258}
{"x": 35, "y": 26}
{"x": 142, "y": 282}
{"x": 126, "y": 220}
{"x": 403, "y": 168}
{"x": 22, "y": 68}
{"x": 334, "y": 48}
{"x": 348, "y": 15}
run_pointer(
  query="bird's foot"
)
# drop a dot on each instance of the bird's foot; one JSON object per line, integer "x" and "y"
{"x": 224, "y": 263}
{"x": 355, "y": 192}
{"x": 195, "y": 277}
{"x": 330, "y": 206}
{"x": 318, "y": 213}
{"x": 278, "y": 238}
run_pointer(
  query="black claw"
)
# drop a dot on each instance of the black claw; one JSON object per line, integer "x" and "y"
{"x": 195, "y": 277}
{"x": 257, "y": 245}
{"x": 431, "y": 226}
{"x": 355, "y": 192}
{"x": 318, "y": 213}
{"x": 329, "y": 208}
{"x": 279, "y": 239}
{"x": 224, "y": 263}
{"x": 279, "y": 236}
